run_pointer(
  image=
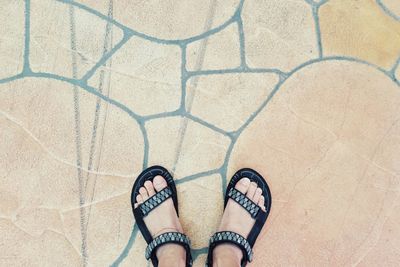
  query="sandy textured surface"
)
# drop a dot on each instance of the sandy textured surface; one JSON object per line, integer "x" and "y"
{"x": 307, "y": 92}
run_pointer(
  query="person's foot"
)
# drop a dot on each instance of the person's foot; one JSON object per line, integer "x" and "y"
{"x": 162, "y": 219}
{"x": 238, "y": 220}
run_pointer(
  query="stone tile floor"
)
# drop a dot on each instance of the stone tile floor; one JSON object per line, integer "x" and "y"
{"x": 305, "y": 91}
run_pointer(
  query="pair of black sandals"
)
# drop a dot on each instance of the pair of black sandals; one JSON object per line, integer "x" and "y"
{"x": 244, "y": 243}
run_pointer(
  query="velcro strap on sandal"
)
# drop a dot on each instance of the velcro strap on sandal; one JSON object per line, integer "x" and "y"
{"x": 244, "y": 201}
{"x": 235, "y": 239}
{"x": 170, "y": 237}
{"x": 154, "y": 201}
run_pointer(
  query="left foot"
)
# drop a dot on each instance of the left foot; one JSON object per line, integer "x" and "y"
{"x": 162, "y": 219}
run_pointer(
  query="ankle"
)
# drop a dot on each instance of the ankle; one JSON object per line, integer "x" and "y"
{"x": 227, "y": 253}
{"x": 171, "y": 255}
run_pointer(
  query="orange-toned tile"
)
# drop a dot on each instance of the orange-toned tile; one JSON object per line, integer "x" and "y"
{"x": 360, "y": 29}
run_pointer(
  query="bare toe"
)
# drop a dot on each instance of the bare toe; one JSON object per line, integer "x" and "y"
{"x": 261, "y": 203}
{"x": 252, "y": 190}
{"x": 257, "y": 195}
{"x": 139, "y": 200}
{"x": 159, "y": 183}
{"x": 243, "y": 185}
{"x": 149, "y": 188}
{"x": 143, "y": 193}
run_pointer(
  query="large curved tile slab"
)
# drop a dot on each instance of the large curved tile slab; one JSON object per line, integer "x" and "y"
{"x": 328, "y": 144}
{"x": 45, "y": 108}
{"x": 359, "y": 29}
{"x": 108, "y": 228}
{"x": 19, "y": 248}
{"x": 168, "y": 19}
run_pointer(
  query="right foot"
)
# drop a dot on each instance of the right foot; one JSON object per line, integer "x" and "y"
{"x": 238, "y": 220}
{"x": 162, "y": 219}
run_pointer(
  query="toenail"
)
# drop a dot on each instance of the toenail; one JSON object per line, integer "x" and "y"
{"x": 245, "y": 181}
{"x": 158, "y": 180}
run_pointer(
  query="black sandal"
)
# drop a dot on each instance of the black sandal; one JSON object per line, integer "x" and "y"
{"x": 146, "y": 207}
{"x": 245, "y": 244}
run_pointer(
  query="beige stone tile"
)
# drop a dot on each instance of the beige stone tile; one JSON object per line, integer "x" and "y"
{"x": 145, "y": 76}
{"x": 169, "y": 19}
{"x": 219, "y": 51}
{"x": 397, "y": 73}
{"x": 201, "y": 149}
{"x": 19, "y": 248}
{"x": 40, "y": 189}
{"x": 45, "y": 110}
{"x": 272, "y": 42}
{"x": 8, "y": 201}
{"x": 51, "y": 46}
{"x": 201, "y": 207}
{"x": 227, "y": 100}
{"x": 32, "y": 179}
{"x": 360, "y": 29}
{"x": 12, "y": 38}
{"x": 36, "y": 220}
{"x": 108, "y": 228}
{"x": 327, "y": 156}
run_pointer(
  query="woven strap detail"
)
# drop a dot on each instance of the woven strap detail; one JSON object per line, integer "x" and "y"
{"x": 234, "y": 238}
{"x": 243, "y": 201}
{"x": 170, "y": 237}
{"x": 155, "y": 200}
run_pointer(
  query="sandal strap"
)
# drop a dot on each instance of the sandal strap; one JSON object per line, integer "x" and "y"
{"x": 170, "y": 237}
{"x": 154, "y": 201}
{"x": 244, "y": 201}
{"x": 235, "y": 239}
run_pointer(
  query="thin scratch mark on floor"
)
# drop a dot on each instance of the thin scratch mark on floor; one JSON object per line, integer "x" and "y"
{"x": 78, "y": 141}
